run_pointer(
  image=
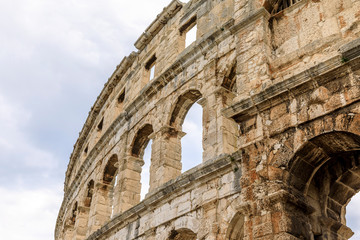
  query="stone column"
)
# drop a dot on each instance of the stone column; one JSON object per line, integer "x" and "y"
{"x": 100, "y": 209}
{"x": 68, "y": 232}
{"x": 81, "y": 224}
{"x": 129, "y": 183}
{"x": 165, "y": 156}
{"x": 253, "y": 52}
{"x": 220, "y": 134}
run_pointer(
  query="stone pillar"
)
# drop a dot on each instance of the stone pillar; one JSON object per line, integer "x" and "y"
{"x": 81, "y": 224}
{"x": 253, "y": 52}
{"x": 165, "y": 156}
{"x": 68, "y": 232}
{"x": 220, "y": 134}
{"x": 100, "y": 209}
{"x": 129, "y": 183}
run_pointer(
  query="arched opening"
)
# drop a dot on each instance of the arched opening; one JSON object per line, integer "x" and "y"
{"x": 145, "y": 172}
{"x": 236, "y": 228}
{"x": 110, "y": 183}
{"x": 229, "y": 81}
{"x": 141, "y": 140}
{"x": 74, "y": 213}
{"x": 141, "y": 151}
{"x": 89, "y": 193}
{"x": 182, "y": 234}
{"x": 71, "y": 220}
{"x": 191, "y": 123}
{"x": 326, "y": 173}
{"x": 191, "y": 143}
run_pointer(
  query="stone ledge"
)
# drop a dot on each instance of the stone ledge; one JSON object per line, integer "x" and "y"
{"x": 350, "y": 50}
{"x": 250, "y": 18}
{"x": 161, "y": 19}
{"x": 278, "y": 93}
{"x": 190, "y": 12}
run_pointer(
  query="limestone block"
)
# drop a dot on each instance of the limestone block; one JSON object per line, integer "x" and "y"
{"x": 315, "y": 110}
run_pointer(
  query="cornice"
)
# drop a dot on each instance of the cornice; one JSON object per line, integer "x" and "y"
{"x": 306, "y": 80}
{"x": 161, "y": 19}
{"x": 95, "y": 110}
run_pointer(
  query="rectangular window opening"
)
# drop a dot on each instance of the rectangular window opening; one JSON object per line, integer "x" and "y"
{"x": 100, "y": 126}
{"x": 190, "y": 30}
{"x": 121, "y": 97}
{"x": 190, "y": 36}
{"x": 86, "y": 149}
{"x": 150, "y": 67}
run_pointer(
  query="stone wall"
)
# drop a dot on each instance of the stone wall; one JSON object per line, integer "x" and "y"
{"x": 279, "y": 91}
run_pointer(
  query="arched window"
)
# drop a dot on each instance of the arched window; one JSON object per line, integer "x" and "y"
{"x": 182, "y": 234}
{"x": 141, "y": 140}
{"x": 325, "y": 170}
{"x": 235, "y": 230}
{"x": 110, "y": 183}
{"x": 191, "y": 145}
{"x": 145, "y": 172}
{"x": 141, "y": 151}
{"x": 229, "y": 81}
{"x": 74, "y": 213}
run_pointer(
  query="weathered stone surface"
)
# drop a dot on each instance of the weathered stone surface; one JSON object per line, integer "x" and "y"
{"x": 280, "y": 89}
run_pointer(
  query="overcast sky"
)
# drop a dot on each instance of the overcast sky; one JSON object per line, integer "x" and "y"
{"x": 55, "y": 57}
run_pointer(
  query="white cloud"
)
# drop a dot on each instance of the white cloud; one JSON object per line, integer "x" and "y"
{"x": 15, "y": 148}
{"x": 27, "y": 214}
{"x": 191, "y": 143}
{"x": 353, "y": 216}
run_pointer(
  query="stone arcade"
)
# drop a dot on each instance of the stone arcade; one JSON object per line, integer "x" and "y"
{"x": 279, "y": 85}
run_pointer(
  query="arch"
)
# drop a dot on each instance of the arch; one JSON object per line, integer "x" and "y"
{"x": 89, "y": 193}
{"x": 229, "y": 81}
{"x": 325, "y": 171}
{"x": 182, "y": 234}
{"x": 235, "y": 230}
{"x": 317, "y": 151}
{"x": 74, "y": 213}
{"x": 110, "y": 169}
{"x": 182, "y": 106}
{"x": 141, "y": 140}
{"x": 109, "y": 184}
{"x": 276, "y": 6}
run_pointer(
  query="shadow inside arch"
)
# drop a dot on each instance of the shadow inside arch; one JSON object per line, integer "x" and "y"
{"x": 182, "y": 234}
{"x": 325, "y": 172}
